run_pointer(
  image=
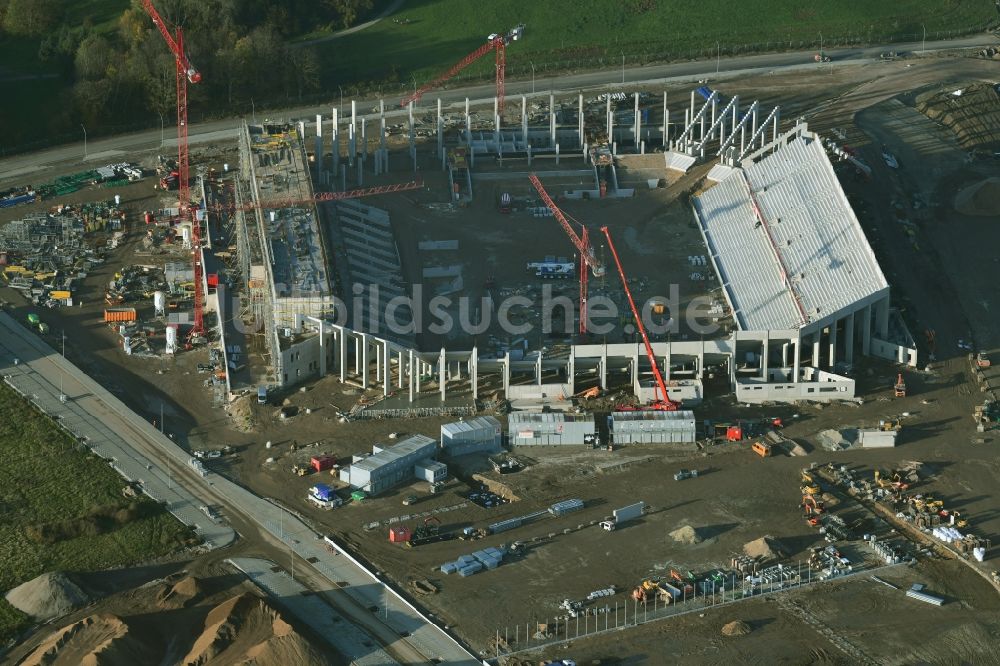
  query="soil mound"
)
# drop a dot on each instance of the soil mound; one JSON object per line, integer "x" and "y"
{"x": 181, "y": 594}
{"x": 50, "y": 595}
{"x": 736, "y": 628}
{"x": 980, "y": 199}
{"x": 95, "y": 640}
{"x": 765, "y": 548}
{"x": 245, "y": 629}
{"x": 686, "y": 535}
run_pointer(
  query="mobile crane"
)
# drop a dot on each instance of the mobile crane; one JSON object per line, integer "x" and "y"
{"x": 662, "y": 401}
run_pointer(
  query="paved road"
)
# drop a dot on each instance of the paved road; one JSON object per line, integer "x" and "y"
{"x": 141, "y": 450}
{"x": 31, "y": 167}
{"x": 350, "y": 641}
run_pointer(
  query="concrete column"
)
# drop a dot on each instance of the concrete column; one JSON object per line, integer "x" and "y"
{"x": 798, "y": 357}
{"x": 506, "y": 373}
{"x": 524, "y": 120}
{"x": 411, "y": 373}
{"x": 387, "y": 364}
{"x": 571, "y": 373}
{"x": 866, "y": 330}
{"x": 319, "y": 148}
{"x": 603, "y": 368}
{"x": 400, "y": 366}
{"x": 442, "y": 370}
{"x": 557, "y": 154}
{"x": 357, "y": 354}
{"x": 364, "y": 138}
{"x": 636, "y": 122}
{"x": 701, "y": 362}
{"x": 666, "y": 122}
{"x": 579, "y": 120}
{"x": 440, "y": 130}
{"x": 764, "y": 356}
{"x": 474, "y": 372}
{"x": 666, "y": 364}
{"x": 322, "y": 350}
{"x": 364, "y": 360}
{"x": 849, "y": 334}
{"x": 378, "y": 361}
{"x": 538, "y": 368}
{"x": 552, "y": 120}
{"x": 784, "y": 354}
{"x": 343, "y": 355}
{"x": 817, "y": 338}
{"x": 352, "y": 145}
{"x": 335, "y": 141}
{"x": 833, "y": 344}
{"x": 882, "y": 318}
{"x": 609, "y": 119}
{"x": 419, "y": 371}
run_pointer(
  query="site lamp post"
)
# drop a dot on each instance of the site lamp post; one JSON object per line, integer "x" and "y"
{"x": 532, "y": 77}
{"x": 623, "y": 68}
{"x": 821, "y": 45}
{"x": 161, "y": 127}
{"x": 923, "y": 44}
{"x": 253, "y": 112}
{"x": 718, "y": 56}
{"x": 340, "y": 109}
{"x": 84, "y": 141}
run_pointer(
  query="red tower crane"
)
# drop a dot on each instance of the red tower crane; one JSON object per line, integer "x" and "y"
{"x": 494, "y": 42}
{"x": 588, "y": 258}
{"x": 185, "y": 73}
{"x": 662, "y": 401}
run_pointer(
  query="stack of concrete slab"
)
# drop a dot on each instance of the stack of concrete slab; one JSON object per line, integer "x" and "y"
{"x": 466, "y": 565}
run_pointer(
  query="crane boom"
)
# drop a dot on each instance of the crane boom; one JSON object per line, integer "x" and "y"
{"x": 663, "y": 401}
{"x": 330, "y": 196}
{"x": 581, "y": 243}
{"x": 495, "y": 42}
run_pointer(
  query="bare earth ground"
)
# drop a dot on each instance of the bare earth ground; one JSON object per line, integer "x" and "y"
{"x": 943, "y": 272}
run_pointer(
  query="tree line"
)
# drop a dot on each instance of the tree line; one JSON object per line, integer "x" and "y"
{"x": 120, "y": 72}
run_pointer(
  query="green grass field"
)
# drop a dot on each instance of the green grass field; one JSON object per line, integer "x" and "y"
{"x": 597, "y": 32}
{"x": 62, "y": 509}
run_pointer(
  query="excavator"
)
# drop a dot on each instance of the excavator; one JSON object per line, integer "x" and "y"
{"x": 650, "y": 589}
{"x": 812, "y": 508}
{"x": 896, "y": 483}
{"x": 589, "y": 394}
{"x": 809, "y": 485}
{"x": 662, "y": 402}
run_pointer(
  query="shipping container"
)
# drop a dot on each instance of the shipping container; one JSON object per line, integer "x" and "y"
{"x": 119, "y": 314}
{"x": 60, "y": 295}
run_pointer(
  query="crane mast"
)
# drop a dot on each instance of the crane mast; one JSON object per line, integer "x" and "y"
{"x": 185, "y": 73}
{"x": 588, "y": 258}
{"x": 663, "y": 401}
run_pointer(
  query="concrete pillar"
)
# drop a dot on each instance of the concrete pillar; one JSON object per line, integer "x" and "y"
{"x": 506, "y": 373}
{"x": 378, "y": 363}
{"x": 552, "y": 120}
{"x": 765, "y": 343}
{"x": 319, "y": 148}
{"x": 579, "y": 120}
{"x": 798, "y": 357}
{"x": 335, "y": 141}
{"x": 364, "y": 138}
{"x": 418, "y": 372}
{"x": 411, "y": 374}
{"x": 849, "y": 338}
{"x": 701, "y": 361}
{"x": 538, "y": 368}
{"x": 866, "y": 330}
{"x": 634, "y": 370}
{"x": 440, "y": 130}
{"x": 833, "y": 344}
{"x": 364, "y": 360}
{"x": 571, "y": 373}
{"x": 636, "y": 122}
{"x": 352, "y": 145}
{"x": 784, "y": 355}
{"x": 474, "y": 372}
{"x": 387, "y": 365}
{"x": 882, "y": 318}
{"x": 557, "y": 154}
{"x": 400, "y": 366}
{"x": 322, "y": 350}
{"x": 666, "y": 364}
{"x": 603, "y": 368}
{"x": 609, "y": 119}
{"x": 666, "y": 122}
{"x": 357, "y": 354}
{"x": 524, "y": 120}
{"x": 442, "y": 369}
{"x": 817, "y": 338}
{"x": 343, "y": 355}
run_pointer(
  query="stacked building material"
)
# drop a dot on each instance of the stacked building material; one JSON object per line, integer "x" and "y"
{"x": 566, "y": 506}
{"x": 466, "y": 565}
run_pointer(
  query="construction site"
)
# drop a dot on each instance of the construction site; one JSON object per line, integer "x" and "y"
{"x": 571, "y": 372}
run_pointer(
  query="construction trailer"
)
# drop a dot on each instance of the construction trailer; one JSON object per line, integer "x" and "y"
{"x": 389, "y": 466}
{"x": 479, "y": 435}
{"x": 653, "y": 427}
{"x": 550, "y": 429}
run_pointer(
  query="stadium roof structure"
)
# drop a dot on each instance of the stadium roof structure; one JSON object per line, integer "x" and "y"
{"x": 788, "y": 249}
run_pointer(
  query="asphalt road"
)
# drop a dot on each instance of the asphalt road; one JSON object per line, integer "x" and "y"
{"x": 31, "y": 167}
{"x": 141, "y": 450}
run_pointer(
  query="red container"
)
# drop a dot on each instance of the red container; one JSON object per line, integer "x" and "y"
{"x": 399, "y": 534}
{"x": 321, "y": 463}
{"x": 213, "y": 279}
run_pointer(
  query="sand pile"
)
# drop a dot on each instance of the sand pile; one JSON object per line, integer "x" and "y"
{"x": 93, "y": 641}
{"x": 245, "y": 629}
{"x": 181, "y": 594}
{"x": 50, "y": 595}
{"x": 736, "y": 628}
{"x": 241, "y": 413}
{"x": 980, "y": 199}
{"x": 686, "y": 535}
{"x": 765, "y": 548}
